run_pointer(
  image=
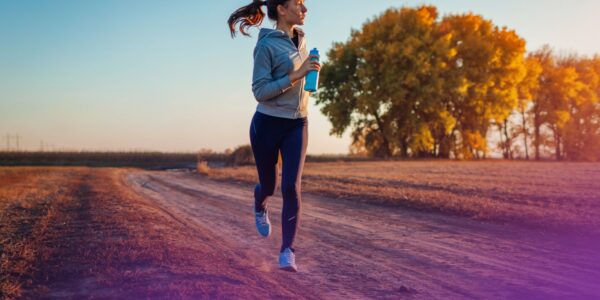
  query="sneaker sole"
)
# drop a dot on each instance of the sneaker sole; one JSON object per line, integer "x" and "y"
{"x": 268, "y": 234}
{"x": 289, "y": 269}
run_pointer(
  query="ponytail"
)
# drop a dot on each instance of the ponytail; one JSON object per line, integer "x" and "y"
{"x": 252, "y": 15}
{"x": 244, "y": 17}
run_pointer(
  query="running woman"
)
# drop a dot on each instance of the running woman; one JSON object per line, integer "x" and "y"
{"x": 280, "y": 122}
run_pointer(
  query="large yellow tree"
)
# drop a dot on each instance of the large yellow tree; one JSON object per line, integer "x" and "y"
{"x": 387, "y": 83}
{"x": 489, "y": 63}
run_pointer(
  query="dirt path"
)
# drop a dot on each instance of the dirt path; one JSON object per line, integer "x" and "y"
{"x": 352, "y": 250}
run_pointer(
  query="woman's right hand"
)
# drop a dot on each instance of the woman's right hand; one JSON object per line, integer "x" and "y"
{"x": 307, "y": 66}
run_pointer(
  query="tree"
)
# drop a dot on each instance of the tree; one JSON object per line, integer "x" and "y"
{"x": 559, "y": 85}
{"x": 411, "y": 85}
{"x": 544, "y": 57}
{"x": 527, "y": 88}
{"x": 581, "y": 133}
{"x": 242, "y": 155}
{"x": 386, "y": 82}
{"x": 489, "y": 65}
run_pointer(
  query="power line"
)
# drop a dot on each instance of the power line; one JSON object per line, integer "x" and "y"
{"x": 8, "y": 139}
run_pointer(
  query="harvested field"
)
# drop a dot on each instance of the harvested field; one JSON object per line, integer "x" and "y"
{"x": 534, "y": 193}
{"x": 367, "y": 230}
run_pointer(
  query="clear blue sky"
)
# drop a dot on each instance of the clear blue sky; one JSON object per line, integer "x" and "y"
{"x": 165, "y": 75}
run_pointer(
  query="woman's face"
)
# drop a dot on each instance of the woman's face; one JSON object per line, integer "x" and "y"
{"x": 293, "y": 12}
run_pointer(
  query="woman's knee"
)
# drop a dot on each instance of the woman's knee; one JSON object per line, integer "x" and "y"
{"x": 290, "y": 191}
{"x": 265, "y": 190}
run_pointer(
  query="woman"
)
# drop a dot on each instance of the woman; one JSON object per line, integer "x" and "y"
{"x": 280, "y": 121}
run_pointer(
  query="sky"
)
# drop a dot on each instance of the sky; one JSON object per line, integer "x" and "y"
{"x": 155, "y": 75}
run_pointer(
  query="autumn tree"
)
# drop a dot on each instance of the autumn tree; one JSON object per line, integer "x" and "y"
{"x": 527, "y": 88}
{"x": 559, "y": 85}
{"x": 489, "y": 65}
{"x": 410, "y": 84}
{"x": 386, "y": 82}
{"x": 582, "y": 131}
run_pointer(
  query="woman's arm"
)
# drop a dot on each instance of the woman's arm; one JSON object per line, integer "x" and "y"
{"x": 307, "y": 66}
{"x": 264, "y": 86}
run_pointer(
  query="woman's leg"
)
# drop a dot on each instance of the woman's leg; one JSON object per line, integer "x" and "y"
{"x": 293, "y": 153}
{"x": 265, "y": 146}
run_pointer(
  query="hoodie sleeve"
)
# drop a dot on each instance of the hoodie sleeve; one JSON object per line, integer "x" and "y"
{"x": 264, "y": 86}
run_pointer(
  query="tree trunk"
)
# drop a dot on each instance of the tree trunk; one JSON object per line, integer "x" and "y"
{"x": 525, "y": 132}
{"x": 444, "y": 147}
{"x": 557, "y": 139}
{"x": 386, "y": 146}
{"x": 507, "y": 141}
{"x": 404, "y": 148}
{"x": 537, "y": 125}
{"x": 502, "y": 140}
{"x": 386, "y": 143}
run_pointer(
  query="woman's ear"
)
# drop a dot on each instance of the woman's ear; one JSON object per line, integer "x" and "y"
{"x": 281, "y": 10}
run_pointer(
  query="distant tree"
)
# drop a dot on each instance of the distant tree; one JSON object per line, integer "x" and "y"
{"x": 582, "y": 131}
{"x": 242, "y": 155}
{"x": 527, "y": 88}
{"x": 559, "y": 85}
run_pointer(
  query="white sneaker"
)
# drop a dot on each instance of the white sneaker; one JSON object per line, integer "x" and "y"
{"x": 263, "y": 225}
{"x": 287, "y": 260}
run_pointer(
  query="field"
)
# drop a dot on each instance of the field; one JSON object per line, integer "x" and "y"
{"x": 137, "y": 159}
{"x": 546, "y": 194}
{"x": 414, "y": 230}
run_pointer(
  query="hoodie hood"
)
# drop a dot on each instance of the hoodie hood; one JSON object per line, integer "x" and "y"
{"x": 264, "y": 32}
{"x": 268, "y": 32}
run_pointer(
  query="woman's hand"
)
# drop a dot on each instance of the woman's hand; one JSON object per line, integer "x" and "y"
{"x": 307, "y": 66}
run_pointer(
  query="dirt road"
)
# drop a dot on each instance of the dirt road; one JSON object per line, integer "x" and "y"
{"x": 352, "y": 250}
{"x": 126, "y": 233}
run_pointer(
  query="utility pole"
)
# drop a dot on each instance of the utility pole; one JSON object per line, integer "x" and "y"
{"x": 7, "y": 142}
{"x": 17, "y": 138}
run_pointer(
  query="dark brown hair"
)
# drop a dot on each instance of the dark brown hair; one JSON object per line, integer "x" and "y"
{"x": 252, "y": 15}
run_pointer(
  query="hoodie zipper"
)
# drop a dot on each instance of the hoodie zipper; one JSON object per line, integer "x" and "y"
{"x": 301, "y": 93}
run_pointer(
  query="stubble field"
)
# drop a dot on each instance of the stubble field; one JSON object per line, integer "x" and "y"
{"x": 412, "y": 230}
{"x": 535, "y": 193}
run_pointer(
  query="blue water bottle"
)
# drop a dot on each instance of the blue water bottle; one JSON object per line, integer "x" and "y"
{"x": 312, "y": 78}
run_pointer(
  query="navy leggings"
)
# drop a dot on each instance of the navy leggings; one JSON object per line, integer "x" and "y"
{"x": 269, "y": 135}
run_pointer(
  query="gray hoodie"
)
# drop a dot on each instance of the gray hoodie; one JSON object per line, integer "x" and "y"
{"x": 275, "y": 56}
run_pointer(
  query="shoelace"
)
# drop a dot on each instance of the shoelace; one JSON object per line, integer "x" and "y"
{"x": 262, "y": 218}
{"x": 289, "y": 256}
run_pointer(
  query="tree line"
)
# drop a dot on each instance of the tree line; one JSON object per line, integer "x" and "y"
{"x": 412, "y": 84}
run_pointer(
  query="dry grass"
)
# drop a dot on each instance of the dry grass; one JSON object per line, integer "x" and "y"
{"x": 203, "y": 168}
{"x": 542, "y": 193}
{"x": 25, "y": 212}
